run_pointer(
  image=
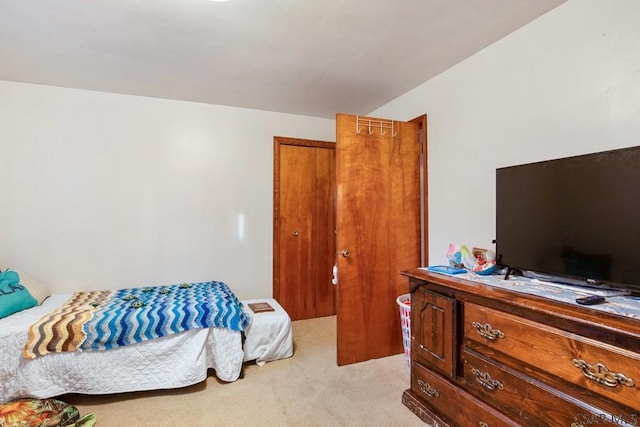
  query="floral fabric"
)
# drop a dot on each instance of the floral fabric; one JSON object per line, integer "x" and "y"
{"x": 42, "y": 413}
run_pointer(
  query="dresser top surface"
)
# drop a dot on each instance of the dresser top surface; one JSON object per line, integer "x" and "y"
{"x": 619, "y": 312}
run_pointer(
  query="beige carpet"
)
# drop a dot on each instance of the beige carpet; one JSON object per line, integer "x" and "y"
{"x": 308, "y": 389}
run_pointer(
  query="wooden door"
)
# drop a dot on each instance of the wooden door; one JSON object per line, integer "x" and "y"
{"x": 304, "y": 227}
{"x": 378, "y": 231}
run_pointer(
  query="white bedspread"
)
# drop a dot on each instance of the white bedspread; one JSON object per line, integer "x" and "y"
{"x": 168, "y": 362}
{"x": 269, "y": 337}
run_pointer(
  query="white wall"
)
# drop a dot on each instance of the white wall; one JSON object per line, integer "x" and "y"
{"x": 104, "y": 191}
{"x": 566, "y": 84}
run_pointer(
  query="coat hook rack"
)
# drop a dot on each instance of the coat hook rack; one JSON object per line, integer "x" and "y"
{"x": 371, "y": 123}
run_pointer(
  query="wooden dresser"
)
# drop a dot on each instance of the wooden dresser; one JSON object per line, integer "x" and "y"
{"x": 488, "y": 356}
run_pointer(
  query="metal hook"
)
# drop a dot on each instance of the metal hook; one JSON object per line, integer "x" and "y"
{"x": 381, "y": 129}
{"x": 357, "y": 125}
{"x": 392, "y": 132}
{"x": 370, "y": 130}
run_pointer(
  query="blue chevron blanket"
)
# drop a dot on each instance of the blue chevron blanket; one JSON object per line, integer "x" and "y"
{"x": 101, "y": 320}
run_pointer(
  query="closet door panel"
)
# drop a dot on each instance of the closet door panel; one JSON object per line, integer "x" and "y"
{"x": 304, "y": 227}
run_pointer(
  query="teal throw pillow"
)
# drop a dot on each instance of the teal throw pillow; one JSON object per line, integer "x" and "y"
{"x": 13, "y": 296}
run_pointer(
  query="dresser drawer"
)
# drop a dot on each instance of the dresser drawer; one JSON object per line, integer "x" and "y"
{"x": 536, "y": 403}
{"x": 453, "y": 404}
{"x": 601, "y": 368}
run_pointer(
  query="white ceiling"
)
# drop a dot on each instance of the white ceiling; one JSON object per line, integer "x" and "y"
{"x": 307, "y": 57}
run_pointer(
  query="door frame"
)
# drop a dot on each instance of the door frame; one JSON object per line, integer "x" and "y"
{"x": 424, "y": 190}
{"x": 279, "y": 141}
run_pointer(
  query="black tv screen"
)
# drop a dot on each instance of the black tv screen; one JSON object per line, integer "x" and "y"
{"x": 575, "y": 218}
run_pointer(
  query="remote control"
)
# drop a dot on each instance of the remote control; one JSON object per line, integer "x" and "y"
{"x": 590, "y": 300}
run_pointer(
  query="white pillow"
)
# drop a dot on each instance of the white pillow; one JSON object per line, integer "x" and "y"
{"x": 35, "y": 288}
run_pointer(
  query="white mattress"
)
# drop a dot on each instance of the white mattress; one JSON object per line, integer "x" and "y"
{"x": 269, "y": 337}
{"x": 168, "y": 362}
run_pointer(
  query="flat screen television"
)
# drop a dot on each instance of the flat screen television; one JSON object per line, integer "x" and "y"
{"x": 572, "y": 220}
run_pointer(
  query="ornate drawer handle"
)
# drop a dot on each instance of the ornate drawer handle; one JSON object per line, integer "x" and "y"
{"x": 601, "y": 374}
{"x": 483, "y": 424}
{"x": 485, "y": 379}
{"x": 576, "y": 425}
{"x": 427, "y": 389}
{"x": 487, "y": 331}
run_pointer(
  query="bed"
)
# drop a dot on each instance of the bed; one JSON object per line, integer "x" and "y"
{"x": 170, "y": 361}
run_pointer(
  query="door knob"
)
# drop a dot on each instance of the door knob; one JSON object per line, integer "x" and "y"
{"x": 345, "y": 253}
{"x": 295, "y": 233}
